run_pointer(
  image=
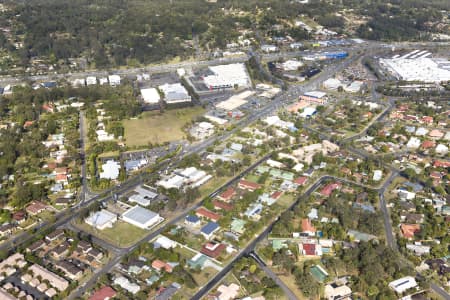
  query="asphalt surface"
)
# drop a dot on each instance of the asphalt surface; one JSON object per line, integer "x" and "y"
{"x": 287, "y": 291}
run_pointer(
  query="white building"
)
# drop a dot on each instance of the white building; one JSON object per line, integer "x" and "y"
{"x": 141, "y": 217}
{"x": 110, "y": 170}
{"x": 227, "y": 76}
{"x": 332, "y": 84}
{"x": 142, "y": 196}
{"x": 337, "y": 292}
{"x": 114, "y": 80}
{"x": 403, "y": 284}
{"x": 101, "y": 219}
{"x": 91, "y": 80}
{"x": 78, "y": 82}
{"x": 174, "y": 93}
{"x": 291, "y": 65}
{"x": 413, "y": 143}
{"x": 422, "y": 69}
{"x": 377, "y": 174}
{"x": 189, "y": 176}
{"x": 354, "y": 87}
{"x": 124, "y": 283}
{"x": 441, "y": 149}
{"x": 150, "y": 95}
{"x": 269, "y": 48}
{"x": 103, "y": 80}
{"x": 103, "y": 136}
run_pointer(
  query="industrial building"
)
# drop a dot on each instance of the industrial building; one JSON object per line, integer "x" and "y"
{"x": 423, "y": 69}
{"x": 227, "y": 76}
{"x": 141, "y": 217}
{"x": 174, "y": 93}
{"x": 150, "y": 95}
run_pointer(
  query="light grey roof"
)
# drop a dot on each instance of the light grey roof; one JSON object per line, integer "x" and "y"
{"x": 140, "y": 214}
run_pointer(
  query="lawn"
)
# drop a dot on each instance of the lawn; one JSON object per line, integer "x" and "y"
{"x": 154, "y": 127}
{"x": 121, "y": 234}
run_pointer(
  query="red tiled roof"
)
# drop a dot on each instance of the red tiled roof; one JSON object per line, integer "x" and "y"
{"x": 159, "y": 265}
{"x": 307, "y": 226}
{"x": 441, "y": 163}
{"x": 329, "y": 188}
{"x": 409, "y": 230}
{"x": 28, "y": 124}
{"x": 309, "y": 249}
{"x": 104, "y": 293}
{"x": 276, "y": 195}
{"x": 428, "y": 144}
{"x": 19, "y": 216}
{"x": 436, "y": 175}
{"x": 228, "y": 194}
{"x": 61, "y": 177}
{"x": 249, "y": 185}
{"x": 300, "y": 180}
{"x": 203, "y": 212}
{"x": 36, "y": 207}
{"x": 427, "y": 119}
{"x": 222, "y": 205}
{"x": 212, "y": 250}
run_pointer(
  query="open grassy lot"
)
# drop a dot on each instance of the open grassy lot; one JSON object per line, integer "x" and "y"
{"x": 154, "y": 127}
{"x": 121, "y": 234}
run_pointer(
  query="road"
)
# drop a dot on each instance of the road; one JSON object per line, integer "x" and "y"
{"x": 287, "y": 291}
{"x": 368, "y": 46}
{"x": 121, "y": 252}
{"x": 252, "y": 245}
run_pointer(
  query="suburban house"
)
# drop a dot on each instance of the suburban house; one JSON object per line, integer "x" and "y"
{"x": 248, "y": 185}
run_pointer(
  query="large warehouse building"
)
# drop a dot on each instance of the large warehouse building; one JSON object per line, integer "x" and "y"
{"x": 423, "y": 69}
{"x": 141, "y": 217}
{"x": 227, "y": 76}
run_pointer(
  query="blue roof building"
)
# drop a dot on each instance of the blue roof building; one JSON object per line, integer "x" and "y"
{"x": 192, "y": 220}
{"x": 209, "y": 229}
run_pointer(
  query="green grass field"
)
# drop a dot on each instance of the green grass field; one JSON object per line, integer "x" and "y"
{"x": 153, "y": 127}
{"x": 121, "y": 234}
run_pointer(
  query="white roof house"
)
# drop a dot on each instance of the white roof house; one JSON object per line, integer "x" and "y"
{"x": 413, "y": 143}
{"x": 335, "y": 292}
{"x": 174, "y": 93}
{"x": 403, "y": 284}
{"x": 101, "y": 219}
{"x": 165, "y": 242}
{"x": 141, "y": 217}
{"x": 441, "y": 149}
{"x": 227, "y": 76}
{"x": 114, "y": 80}
{"x": 150, "y": 95}
{"x": 124, "y": 283}
{"x": 377, "y": 174}
{"x": 421, "y": 131}
{"x": 110, "y": 170}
